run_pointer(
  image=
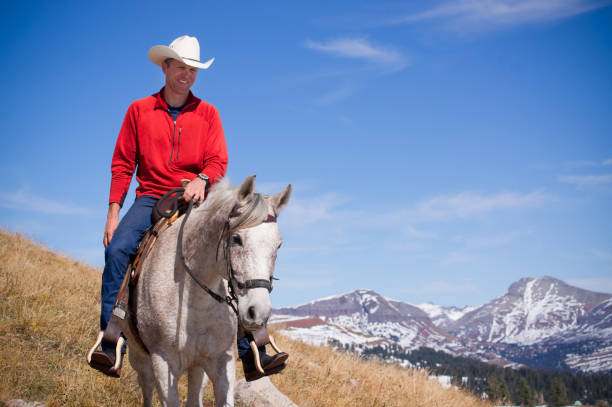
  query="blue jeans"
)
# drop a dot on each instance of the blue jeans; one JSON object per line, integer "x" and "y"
{"x": 118, "y": 254}
{"x": 244, "y": 347}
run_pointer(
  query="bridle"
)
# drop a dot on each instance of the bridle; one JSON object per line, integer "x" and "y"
{"x": 242, "y": 217}
{"x": 240, "y": 224}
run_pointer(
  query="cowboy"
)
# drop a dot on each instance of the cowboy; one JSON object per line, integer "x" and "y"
{"x": 166, "y": 138}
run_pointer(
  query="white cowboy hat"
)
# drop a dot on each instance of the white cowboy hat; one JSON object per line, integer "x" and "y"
{"x": 185, "y": 49}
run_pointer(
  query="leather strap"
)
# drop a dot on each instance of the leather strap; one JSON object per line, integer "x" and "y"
{"x": 255, "y": 283}
{"x": 113, "y": 328}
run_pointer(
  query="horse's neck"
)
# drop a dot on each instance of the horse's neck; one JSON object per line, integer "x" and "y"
{"x": 201, "y": 240}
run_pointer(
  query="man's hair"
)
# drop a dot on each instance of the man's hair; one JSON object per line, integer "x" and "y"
{"x": 168, "y": 60}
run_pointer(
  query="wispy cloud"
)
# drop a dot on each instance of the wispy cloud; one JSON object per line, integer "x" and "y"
{"x": 571, "y": 165}
{"x": 444, "y": 287}
{"x": 470, "y": 14}
{"x": 607, "y": 256}
{"x": 456, "y": 257}
{"x": 466, "y": 204}
{"x": 332, "y": 223}
{"x": 336, "y": 95}
{"x": 338, "y": 210}
{"x": 303, "y": 212}
{"x": 587, "y": 180}
{"x": 359, "y": 48}
{"x": 26, "y": 201}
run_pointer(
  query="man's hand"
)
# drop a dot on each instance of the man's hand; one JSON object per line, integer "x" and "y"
{"x": 195, "y": 190}
{"x": 112, "y": 221}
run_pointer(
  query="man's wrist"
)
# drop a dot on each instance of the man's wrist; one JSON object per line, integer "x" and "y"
{"x": 114, "y": 208}
{"x": 204, "y": 178}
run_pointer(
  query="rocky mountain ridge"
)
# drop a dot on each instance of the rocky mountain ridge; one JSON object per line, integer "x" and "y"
{"x": 541, "y": 322}
{"x": 530, "y": 311}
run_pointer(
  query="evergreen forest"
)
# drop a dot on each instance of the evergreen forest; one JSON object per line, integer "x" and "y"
{"x": 523, "y": 386}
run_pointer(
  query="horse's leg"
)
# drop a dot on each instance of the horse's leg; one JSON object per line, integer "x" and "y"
{"x": 147, "y": 384}
{"x": 166, "y": 381}
{"x": 141, "y": 363}
{"x": 196, "y": 383}
{"x": 223, "y": 376}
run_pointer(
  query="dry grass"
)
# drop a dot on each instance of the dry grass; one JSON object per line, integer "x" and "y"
{"x": 318, "y": 376}
{"x": 49, "y": 307}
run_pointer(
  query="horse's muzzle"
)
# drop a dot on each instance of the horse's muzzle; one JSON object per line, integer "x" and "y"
{"x": 254, "y": 310}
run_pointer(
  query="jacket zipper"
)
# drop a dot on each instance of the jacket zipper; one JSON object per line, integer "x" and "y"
{"x": 172, "y": 150}
{"x": 178, "y": 144}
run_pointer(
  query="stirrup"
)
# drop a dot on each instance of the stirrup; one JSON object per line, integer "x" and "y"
{"x": 255, "y": 351}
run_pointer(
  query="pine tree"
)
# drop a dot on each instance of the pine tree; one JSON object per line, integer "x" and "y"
{"x": 497, "y": 389}
{"x": 558, "y": 393}
{"x": 523, "y": 394}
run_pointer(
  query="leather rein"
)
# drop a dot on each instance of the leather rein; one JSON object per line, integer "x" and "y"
{"x": 242, "y": 217}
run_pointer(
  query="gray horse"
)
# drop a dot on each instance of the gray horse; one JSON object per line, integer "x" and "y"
{"x": 232, "y": 238}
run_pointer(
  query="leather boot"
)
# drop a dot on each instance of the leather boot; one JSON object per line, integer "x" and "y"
{"x": 104, "y": 360}
{"x": 270, "y": 364}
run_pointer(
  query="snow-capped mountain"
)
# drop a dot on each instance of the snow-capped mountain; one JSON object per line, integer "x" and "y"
{"x": 598, "y": 321}
{"x": 542, "y": 322}
{"x": 593, "y": 336}
{"x": 378, "y": 320}
{"x": 531, "y": 311}
{"x": 443, "y": 317}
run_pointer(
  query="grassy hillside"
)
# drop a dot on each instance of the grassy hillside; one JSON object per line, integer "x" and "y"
{"x": 49, "y": 307}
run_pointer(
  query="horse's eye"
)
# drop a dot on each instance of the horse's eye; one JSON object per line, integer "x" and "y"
{"x": 237, "y": 240}
{"x": 279, "y": 245}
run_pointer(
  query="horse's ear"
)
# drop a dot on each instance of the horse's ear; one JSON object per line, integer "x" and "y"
{"x": 279, "y": 201}
{"x": 247, "y": 189}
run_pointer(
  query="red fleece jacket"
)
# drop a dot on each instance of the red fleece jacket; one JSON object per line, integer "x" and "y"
{"x": 166, "y": 151}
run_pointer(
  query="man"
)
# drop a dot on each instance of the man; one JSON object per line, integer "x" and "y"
{"x": 166, "y": 137}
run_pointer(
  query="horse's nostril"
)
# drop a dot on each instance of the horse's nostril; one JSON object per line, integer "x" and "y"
{"x": 251, "y": 312}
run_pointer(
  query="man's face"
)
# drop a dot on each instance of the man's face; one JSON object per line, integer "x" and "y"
{"x": 179, "y": 76}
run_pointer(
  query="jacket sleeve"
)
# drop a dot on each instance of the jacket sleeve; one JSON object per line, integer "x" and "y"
{"x": 215, "y": 153}
{"x": 124, "y": 158}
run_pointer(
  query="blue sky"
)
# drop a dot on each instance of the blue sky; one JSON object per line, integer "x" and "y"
{"x": 439, "y": 151}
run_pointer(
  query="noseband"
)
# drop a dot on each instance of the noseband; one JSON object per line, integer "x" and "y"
{"x": 238, "y": 224}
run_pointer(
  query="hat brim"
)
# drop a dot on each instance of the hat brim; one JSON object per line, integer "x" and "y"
{"x": 159, "y": 53}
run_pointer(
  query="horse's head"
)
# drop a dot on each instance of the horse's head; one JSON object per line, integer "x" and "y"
{"x": 253, "y": 241}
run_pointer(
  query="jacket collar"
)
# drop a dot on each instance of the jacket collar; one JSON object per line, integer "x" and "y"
{"x": 160, "y": 103}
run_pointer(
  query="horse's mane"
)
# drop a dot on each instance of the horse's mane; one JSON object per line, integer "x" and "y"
{"x": 223, "y": 197}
